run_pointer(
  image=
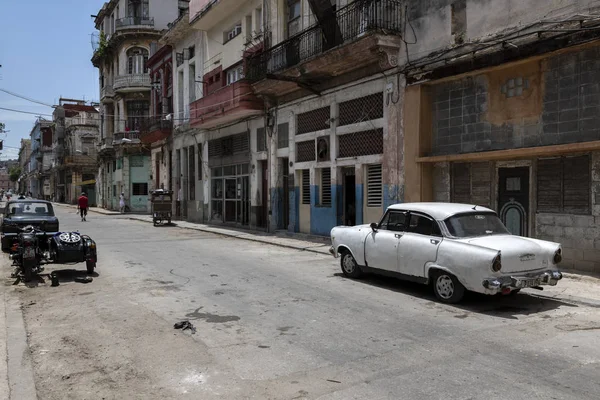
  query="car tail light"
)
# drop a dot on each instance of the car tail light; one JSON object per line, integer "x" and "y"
{"x": 557, "y": 256}
{"x": 497, "y": 264}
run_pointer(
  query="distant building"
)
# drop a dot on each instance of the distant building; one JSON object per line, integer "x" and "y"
{"x": 23, "y": 161}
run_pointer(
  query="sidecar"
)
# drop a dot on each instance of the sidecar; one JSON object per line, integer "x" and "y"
{"x": 72, "y": 247}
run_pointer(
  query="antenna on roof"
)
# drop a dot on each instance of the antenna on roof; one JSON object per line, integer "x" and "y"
{"x": 475, "y": 207}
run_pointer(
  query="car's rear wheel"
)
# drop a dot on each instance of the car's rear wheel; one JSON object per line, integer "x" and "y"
{"x": 447, "y": 288}
{"x": 349, "y": 266}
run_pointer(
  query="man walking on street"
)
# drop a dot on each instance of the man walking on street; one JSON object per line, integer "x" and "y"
{"x": 82, "y": 202}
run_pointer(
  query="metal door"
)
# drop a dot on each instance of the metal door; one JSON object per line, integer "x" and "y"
{"x": 513, "y": 199}
{"x": 418, "y": 246}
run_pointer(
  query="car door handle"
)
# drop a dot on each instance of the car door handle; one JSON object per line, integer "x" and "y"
{"x": 398, "y": 235}
{"x": 433, "y": 241}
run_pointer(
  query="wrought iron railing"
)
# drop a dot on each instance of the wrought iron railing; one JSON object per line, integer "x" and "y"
{"x": 128, "y": 136}
{"x": 349, "y": 24}
{"x": 128, "y": 22}
{"x": 156, "y": 124}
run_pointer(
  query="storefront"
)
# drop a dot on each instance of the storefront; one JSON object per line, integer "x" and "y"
{"x": 230, "y": 194}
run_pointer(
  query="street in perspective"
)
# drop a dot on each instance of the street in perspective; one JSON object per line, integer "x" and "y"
{"x": 300, "y": 199}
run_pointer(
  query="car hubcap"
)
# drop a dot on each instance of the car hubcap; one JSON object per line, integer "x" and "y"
{"x": 445, "y": 286}
{"x": 348, "y": 264}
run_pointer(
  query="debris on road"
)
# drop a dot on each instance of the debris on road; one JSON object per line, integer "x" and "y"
{"x": 183, "y": 325}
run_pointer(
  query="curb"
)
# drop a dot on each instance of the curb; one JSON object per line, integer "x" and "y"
{"x": 571, "y": 299}
{"x": 243, "y": 237}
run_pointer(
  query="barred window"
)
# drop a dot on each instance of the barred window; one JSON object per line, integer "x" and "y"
{"x": 283, "y": 136}
{"x": 563, "y": 185}
{"x": 305, "y": 186}
{"x": 471, "y": 183}
{"x": 261, "y": 140}
{"x": 374, "y": 186}
{"x": 140, "y": 189}
{"x": 361, "y": 143}
{"x": 305, "y": 151}
{"x": 326, "y": 187}
{"x": 362, "y": 109}
{"x": 312, "y": 121}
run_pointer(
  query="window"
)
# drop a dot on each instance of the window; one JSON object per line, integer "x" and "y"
{"x": 235, "y": 74}
{"x": 191, "y": 52}
{"x": 305, "y": 186}
{"x": 293, "y": 17}
{"x": 137, "y": 60}
{"x": 261, "y": 140}
{"x": 232, "y": 33}
{"x": 114, "y": 165}
{"x": 192, "y": 173}
{"x": 514, "y": 87}
{"x": 374, "y": 186}
{"x": 394, "y": 221}
{"x": 326, "y": 187}
{"x": 200, "y": 174}
{"x": 423, "y": 225}
{"x": 283, "y": 136}
{"x": 471, "y": 183}
{"x": 138, "y": 8}
{"x": 475, "y": 224}
{"x": 140, "y": 189}
{"x": 563, "y": 185}
{"x": 114, "y": 190}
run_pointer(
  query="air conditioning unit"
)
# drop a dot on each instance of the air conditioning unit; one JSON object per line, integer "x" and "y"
{"x": 323, "y": 153}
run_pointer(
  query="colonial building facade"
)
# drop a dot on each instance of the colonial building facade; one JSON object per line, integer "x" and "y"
{"x": 127, "y": 28}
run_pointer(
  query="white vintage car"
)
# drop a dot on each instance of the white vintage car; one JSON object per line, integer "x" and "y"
{"x": 451, "y": 246}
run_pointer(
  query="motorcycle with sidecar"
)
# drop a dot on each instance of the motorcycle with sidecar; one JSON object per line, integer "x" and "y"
{"x": 34, "y": 247}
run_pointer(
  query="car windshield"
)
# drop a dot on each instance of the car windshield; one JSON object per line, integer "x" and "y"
{"x": 31, "y": 209}
{"x": 475, "y": 224}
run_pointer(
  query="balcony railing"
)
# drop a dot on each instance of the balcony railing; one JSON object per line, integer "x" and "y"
{"x": 234, "y": 101}
{"x": 131, "y": 136}
{"x": 132, "y": 81}
{"x": 130, "y": 22}
{"x": 155, "y": 129}
{"x": 351, "y": 23}
{"x": 107, "y": 91}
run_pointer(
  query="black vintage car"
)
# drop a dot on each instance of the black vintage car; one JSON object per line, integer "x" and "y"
{"x": 20, "y": 213}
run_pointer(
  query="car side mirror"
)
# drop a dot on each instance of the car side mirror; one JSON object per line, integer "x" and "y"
{"x": 374, "y": 226}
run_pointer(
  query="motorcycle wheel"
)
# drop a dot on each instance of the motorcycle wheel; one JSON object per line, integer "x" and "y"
{"x": 27, "y": 271}
{"x": 90, "y": 265}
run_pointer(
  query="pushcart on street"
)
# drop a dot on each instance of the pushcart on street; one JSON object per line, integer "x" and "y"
{"x": 162, "y": 204}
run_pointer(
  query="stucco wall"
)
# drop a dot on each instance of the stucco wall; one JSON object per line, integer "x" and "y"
{"x": 432, "y": 20}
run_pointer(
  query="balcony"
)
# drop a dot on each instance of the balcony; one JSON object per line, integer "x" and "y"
{"x": 206, "y": 14}
{"x": 134, "y": 23}
{"x": 106, "y": 147}
{"x": 362, "y": 37}
{"x": 132, "y": 83}
{"x": 155, "y": 129}
{"x": 107, "y": 92}
{"x": 228, "y": 104}
{"x": 80, "y": 160}
{"x": 126, "y": 137}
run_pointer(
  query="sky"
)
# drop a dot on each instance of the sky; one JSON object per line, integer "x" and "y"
{"x": 45, "y": 52}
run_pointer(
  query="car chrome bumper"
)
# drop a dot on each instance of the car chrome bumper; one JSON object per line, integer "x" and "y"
{"x": 513, "y": 282}
{"x": 332, "y": 251}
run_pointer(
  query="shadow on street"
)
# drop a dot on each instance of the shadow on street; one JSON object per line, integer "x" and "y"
{"x": 500, "y": 306}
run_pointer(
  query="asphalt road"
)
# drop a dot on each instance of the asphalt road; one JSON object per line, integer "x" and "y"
{"x": 275, "y": 323}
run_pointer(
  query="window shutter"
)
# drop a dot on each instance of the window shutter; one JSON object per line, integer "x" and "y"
{"x": 326, "y": 187}
{"x": 549, "y": 185}
{"x": 461, "y": 183}
{"x": 576, "y": 188}
{"x": 481, "y": 184}
{"x": 305, "y": 186}
{"x": 374, "y": 186}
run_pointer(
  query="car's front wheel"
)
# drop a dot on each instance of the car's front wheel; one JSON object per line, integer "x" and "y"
{"x": 447, "y": 288}
{"x": 349, "y": 266}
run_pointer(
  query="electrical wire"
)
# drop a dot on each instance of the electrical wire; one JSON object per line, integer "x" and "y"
{"x": 25, "y": 97}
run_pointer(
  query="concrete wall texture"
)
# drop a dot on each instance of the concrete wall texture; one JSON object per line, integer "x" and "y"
{"x": 539, "y": 103}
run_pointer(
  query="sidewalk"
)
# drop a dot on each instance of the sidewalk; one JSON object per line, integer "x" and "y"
{"x": 299, "y": 242}
{"x": 91, "y": 209}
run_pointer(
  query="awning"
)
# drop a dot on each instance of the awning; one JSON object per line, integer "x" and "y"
{"x": 88, "y": 182}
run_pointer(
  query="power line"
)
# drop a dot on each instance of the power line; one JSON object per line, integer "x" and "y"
{"x": 25, "y": 97}
{"x": 24, "y": 112}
